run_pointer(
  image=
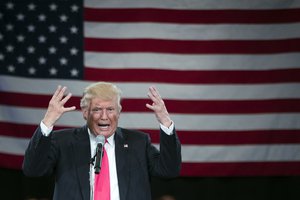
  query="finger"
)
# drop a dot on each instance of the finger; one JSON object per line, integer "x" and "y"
{"x": 66, "y": 98}
{"x": 56, "y": 92}
{"x": 149, "y": 106}
{"x": 154, "y": 91}
{"x": 68, "y": 109}
{"x": 61, "y": 93}
{"x": 156, "y": 98}
{"x": 153, "y": 95}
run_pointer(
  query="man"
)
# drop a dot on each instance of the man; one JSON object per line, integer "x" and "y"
{"x": 132, "y": 159}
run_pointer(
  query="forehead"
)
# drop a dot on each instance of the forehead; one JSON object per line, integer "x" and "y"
{"x": 103, "y": 102}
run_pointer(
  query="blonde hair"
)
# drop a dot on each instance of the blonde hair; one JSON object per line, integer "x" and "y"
{"x": 103, "y": 90}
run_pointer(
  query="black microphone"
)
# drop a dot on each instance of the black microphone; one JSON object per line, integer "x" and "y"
{"x": 100, "y": 139}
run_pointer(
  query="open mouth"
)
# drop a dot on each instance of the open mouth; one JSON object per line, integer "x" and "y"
{"x": 103, "y": 126}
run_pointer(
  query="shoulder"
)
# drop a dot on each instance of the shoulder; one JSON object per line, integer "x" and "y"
{"x": 66, "y": 133}
{"x": 131, "y": 134}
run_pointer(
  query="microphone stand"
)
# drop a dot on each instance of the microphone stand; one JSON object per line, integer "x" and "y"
{"x": 98, "y": 158}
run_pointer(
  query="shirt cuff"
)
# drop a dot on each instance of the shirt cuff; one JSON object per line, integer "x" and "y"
{"x": 168, "y": 131}
{"x": 45, "y": 130}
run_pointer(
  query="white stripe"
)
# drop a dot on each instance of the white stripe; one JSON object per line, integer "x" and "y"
{"x": 241, "y": 153}
{"x": 191, "y": 32}
{"x": 168, "y": 91}
{"x": 191, "y": 62}
{"x": 193, "y": 4}
{"x": 12, "y": 145}
{"x": 194, "y": 153}
{"x": 74, "y": 119}
{"x": 147, "y": 120}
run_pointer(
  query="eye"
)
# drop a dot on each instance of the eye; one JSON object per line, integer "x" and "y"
{"x": 110, "y": 109}
{"x": 96, "y": 109}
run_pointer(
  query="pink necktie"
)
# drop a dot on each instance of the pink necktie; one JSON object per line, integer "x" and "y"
{"x": 102, "y": 184}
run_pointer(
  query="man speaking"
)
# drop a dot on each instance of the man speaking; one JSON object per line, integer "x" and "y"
{"x": 102, "y": 160}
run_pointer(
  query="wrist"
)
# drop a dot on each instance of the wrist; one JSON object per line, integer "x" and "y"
{"x": 47, "y": 123}
{"x": 167, "y": 123}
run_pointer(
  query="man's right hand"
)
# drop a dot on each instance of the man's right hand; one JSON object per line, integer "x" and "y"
{"x": 56, "y": 106}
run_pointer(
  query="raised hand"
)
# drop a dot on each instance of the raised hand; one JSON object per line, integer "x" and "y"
{"x": 56, "y": 106}
{"x": 159, "y": 108}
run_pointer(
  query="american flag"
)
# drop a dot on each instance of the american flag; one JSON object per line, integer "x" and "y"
{"x": 229, "y": 72}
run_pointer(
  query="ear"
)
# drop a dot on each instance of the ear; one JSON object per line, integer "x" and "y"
{"x": 119, "y": 111}
{"x": 84, "y": 113}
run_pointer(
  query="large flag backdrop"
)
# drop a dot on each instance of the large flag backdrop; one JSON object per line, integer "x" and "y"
{"x": 229, "y": 73}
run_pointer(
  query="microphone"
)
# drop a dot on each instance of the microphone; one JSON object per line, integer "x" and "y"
{"x": 100, "y": 139}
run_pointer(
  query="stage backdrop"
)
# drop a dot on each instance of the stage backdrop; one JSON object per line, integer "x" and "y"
{"x": 229, "y": 72}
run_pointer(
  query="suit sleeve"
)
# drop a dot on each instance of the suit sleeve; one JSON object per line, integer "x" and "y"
{"x": 40, "y": 155}
{"x": 167, "y": 161}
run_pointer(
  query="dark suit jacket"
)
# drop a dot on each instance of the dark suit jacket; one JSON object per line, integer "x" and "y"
{"x": 66, "y": 154}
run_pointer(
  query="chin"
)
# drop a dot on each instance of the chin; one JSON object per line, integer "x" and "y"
{"x": 106, "y": 134}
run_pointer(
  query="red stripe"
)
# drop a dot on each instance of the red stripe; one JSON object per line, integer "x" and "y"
{"x": 192, "y": 46}
{"x": 128, "y": 105}
{"x": 143, "y": 75}
{"x": 32, "y": 100}
{"x": 234, "y": 137}
{"x": 192, "y": 16}
{"x": 193, "y": 76}
{"x": 241, "y": 169}
{"x": 187, "y": 137}
{"x": 17, "y": 130}
{"x": 174, "y": 106}
{"x": 11, "y": 161}
{"x": 204, "y": 169}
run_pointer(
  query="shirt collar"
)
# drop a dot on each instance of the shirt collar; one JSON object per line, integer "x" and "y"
{"x": 109, "y": 140}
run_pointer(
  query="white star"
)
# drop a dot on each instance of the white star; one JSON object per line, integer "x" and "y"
{"x": 31, "y": 6}
{"x": 2, "y": 56}
{"x": 73, "y": 51}
{"x": 42, "y": 39}
{"x": 74, "y": 8}
{"x": 11, "y": 68}
{"x": 20, "y": 17}
{"x": 74, "y": 72}
{"x": 74, "y": 29}
{"x": 10, "y": 6}
{"x": 31, "y": 70}
{"x": 10, "y": 48}
{"x": 42, "y": 17}
{"x": 20, "y": 38}
{"x": 53, "y": 7}
{"x": 52, "y": 28}
{"x": 63, "y": 18}
{"x": 31, "y": 28}
{"x": 63, "y": 61}
{"x": 9, "y": 27}
{"x": 42, "y": 60}
{"x": 21, "y": 59}
{"x": 53, "y": 71}
{"x": 30, "y": 49}
{"x": 52, "y": 50}
{"x": 63, "y": 39}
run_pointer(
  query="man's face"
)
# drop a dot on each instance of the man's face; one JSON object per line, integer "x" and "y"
{"x": 102, "y": 116}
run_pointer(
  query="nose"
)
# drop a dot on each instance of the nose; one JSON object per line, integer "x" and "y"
{"x": 104, "y": 114}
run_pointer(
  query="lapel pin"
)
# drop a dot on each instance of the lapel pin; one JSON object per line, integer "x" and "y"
{"x": 125, "y": 145}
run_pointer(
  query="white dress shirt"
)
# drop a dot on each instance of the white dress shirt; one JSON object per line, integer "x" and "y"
{"x": 113, "y": 178}
{"x": 110, "y": 150}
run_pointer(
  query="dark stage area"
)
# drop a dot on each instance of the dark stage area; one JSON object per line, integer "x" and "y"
{"x": 15, "y": 186}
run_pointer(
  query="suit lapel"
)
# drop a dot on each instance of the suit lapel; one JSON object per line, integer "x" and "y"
{"x": 82, "y": 154}
{"x": 121, "y": 151}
